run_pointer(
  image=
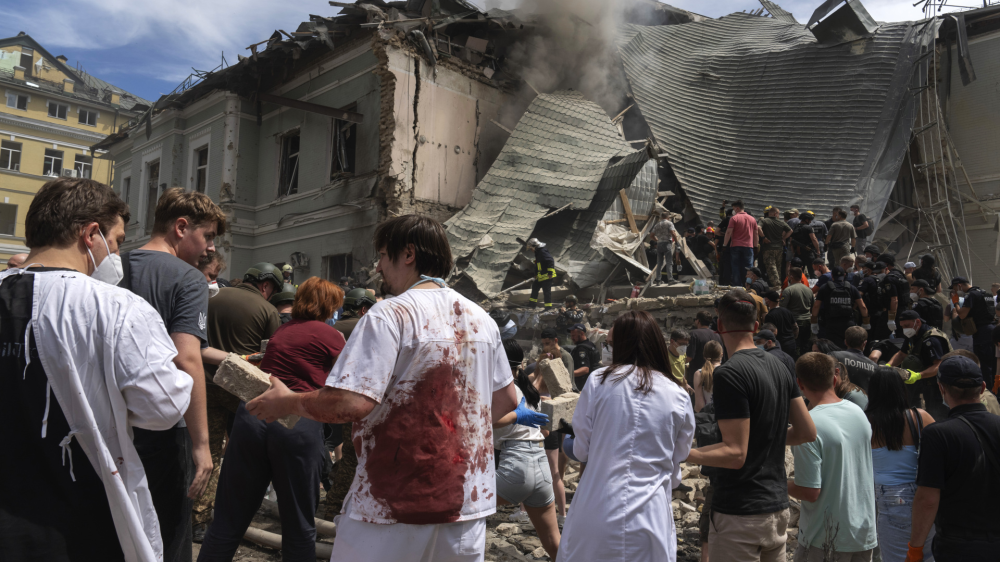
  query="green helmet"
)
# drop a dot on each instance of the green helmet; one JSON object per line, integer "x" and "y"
{"x": 358, "y": 298}
{"x": 287, "y": 294}
{"x": 571, "y": 298}
{"x": 264, "y": 271}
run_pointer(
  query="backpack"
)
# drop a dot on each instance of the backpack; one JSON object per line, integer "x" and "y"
{"x": 841, "y": 305}
{"x": 895, "y": 278}
{"x": 706, "y": 432}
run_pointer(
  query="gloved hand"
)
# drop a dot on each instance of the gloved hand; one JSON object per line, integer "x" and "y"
{"x": 914, "y": 377}
{"x": 892, "y": 325}
{"x": 815, "y": 328}
{"x": 565, "y": 427}
{"x": 528, "y": 417}
{"x": 914, "y": 553}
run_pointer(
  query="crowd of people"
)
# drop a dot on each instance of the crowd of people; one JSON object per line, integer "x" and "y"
{"x": 120, "y": 447}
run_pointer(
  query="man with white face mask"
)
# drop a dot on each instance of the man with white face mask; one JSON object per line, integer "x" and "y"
{"x": 677, "y": 355}
{"x": 921, "y": 354}
{"x": 179, "y": 461}
{"x": 85, "y": 363}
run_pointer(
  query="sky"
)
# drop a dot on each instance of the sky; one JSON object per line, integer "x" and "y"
{"x": 148, "y": 47}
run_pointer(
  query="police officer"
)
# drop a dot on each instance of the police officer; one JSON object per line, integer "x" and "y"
{"x": 569, "y": 315}
{"x": 833, "y": 311}
{"x": 586, "y": 357}
{"x": 978, "y": 305}
{"x": 545, "y": 273}
{"x": 926, "y": 305}
{"x": 895, "y": 291}
{"x": 805, "y": 245}
{"x": 859, "y": 368}
{"x": 872, "y": 252}
{"x": 921, "y": 354}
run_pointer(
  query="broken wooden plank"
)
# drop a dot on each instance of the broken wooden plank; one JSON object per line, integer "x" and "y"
{"x": 494, "y": 121}
{"x": 628, "y": 212}
{"x": 563, "y": 208}
{"x": 637, "y": 217}
{"x": 313, "y": 108}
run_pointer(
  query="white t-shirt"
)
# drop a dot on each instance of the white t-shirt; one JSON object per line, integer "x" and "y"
{"x": 432, "y": 360}
{"x": 515, "y": 432}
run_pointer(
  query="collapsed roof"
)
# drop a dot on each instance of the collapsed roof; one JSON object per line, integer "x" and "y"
{"x": 755, "y": 108}
{"x": 559, "y": 157}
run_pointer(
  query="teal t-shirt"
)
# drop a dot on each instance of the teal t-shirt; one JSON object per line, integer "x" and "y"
{"x": 839, "y": 463}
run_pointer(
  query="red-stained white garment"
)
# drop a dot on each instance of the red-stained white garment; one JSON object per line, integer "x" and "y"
{"x": 431, "y": 359}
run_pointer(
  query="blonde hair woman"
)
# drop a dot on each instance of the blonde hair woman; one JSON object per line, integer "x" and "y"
{"x": 703, "y": 377}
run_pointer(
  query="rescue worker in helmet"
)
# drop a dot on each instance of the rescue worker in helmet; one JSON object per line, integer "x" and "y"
{"x": 545, "y": 273}
{"x": 569, "y": 315}
{"x": 286, "y": 273}
{"x": 283, "y": 301}
{"x": 356, "y": 304}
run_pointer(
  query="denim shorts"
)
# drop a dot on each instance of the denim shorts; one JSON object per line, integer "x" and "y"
{"x": 523, "y": 474}
{"x": 895, "y": 505}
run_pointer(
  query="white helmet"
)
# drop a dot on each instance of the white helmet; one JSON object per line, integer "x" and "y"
{"x": 535, "y": 243}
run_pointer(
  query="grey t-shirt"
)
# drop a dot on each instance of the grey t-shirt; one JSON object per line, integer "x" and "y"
{"x": 177, "y": 290}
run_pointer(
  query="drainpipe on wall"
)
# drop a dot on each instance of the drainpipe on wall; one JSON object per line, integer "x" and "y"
{"x": 230, "y": 162}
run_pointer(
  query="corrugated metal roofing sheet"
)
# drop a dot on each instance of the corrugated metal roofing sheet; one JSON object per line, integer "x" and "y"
{"x": 556, "y": 155}
{"x": 777, "y": 12}
{"x": 753, "y": 108}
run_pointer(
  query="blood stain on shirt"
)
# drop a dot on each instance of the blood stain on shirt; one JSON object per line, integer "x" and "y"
{"x": 475, "y": 494}
{"x": 420, "y": 455}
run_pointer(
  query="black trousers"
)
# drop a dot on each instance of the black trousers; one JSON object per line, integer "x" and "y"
{"x": 982, "y": 346}
{"x": 805, "y": 336}
{"x": 952, "y": 550}
{"x": 546, "y": 288}
{"x": 834, "y": 330}
{"x": 789, "y": 346}
{"x": 259, "y": 453}
{"x": 166, "y": 458}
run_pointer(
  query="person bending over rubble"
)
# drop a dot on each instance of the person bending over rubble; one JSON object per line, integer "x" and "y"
{"x": 633, "y": 426}
{"x": 522, "y": 468}
{"x": 424, "y": 376}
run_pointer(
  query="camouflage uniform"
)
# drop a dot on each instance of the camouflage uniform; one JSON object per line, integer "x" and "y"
{"x": 771, "y": 259}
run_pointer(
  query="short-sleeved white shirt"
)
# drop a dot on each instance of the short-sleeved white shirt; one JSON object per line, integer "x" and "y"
{"x": 432, "y": 360}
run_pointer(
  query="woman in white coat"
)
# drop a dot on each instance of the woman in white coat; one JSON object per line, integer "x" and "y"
{"x": 633, "y": 427}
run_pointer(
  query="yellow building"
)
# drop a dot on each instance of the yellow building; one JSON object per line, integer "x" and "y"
{"x": 50, "y": 116}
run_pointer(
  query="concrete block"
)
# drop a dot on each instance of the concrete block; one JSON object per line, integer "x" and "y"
{"x": 556, "y": 377}
{"x": 246, "y": 382}
{"x": 559, "y": 408}
{"x": 508, "y": 529}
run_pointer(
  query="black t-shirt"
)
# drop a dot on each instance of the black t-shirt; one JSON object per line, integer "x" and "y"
{"x": 950, "y": 461}
{"x": 930, "y": 350}
{"x": 859, "y": 368}
{"x": 930, "y": 311}
{"x": 860, "y": 220}
{"x": 583, "y": 356}
{"x": 785, "y": 358}
{"x": 45, "y": 513}
{"x": 174, "y": 288}
{"x": 932, "y": 276}
{"x": 756, "y": 385}
{"x": 701, "y": 246}
{"x": 869, "y": 294}
{"x": 981, "y": 307}
{"x": 760, "y": 287}
{"x": 697, "y": 339}
{"x": 784, "y": 320}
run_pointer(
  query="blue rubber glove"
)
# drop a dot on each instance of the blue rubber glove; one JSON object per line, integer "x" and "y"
{"x": 528, "y": 417}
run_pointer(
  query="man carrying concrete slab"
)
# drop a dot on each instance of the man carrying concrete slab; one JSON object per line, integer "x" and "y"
{"x": 424, "y": 376}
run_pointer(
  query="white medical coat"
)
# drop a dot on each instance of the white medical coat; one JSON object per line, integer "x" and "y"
{"x": 109, "y": 363}
{"x": 633, "y": 445}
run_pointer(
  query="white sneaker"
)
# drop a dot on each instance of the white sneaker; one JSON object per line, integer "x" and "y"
{"x": 519, "y": 517}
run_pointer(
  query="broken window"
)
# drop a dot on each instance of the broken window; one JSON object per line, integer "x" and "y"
{"x": 58, "y": 110}
{"x": 8, "y": 218}
{"x": 289, "y": 164}
{"x": 10, "y": 155}
{"x": 201, "y": 169}
{"x": 126, "y": 188}
{"x": 152, "y": 193}
{"x": 338, "y": 266}
{"x": 27, "y": 57}
{"x": 88, "y": 117}
{"x": 83, "y": 166}
{"x": 345, "y": 142}
{"x": 17, "y": 101}
{"x": 53, "y": 162}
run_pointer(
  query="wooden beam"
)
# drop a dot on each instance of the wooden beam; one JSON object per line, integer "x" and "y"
{"x": 509, "y": 132}
{"x": 628, "y": 212}
{"x": 349, "y": 116}
{"x": 636, "y": 217}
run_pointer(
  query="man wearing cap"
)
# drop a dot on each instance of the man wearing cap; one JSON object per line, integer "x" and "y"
{"x": 834, "y": 306}
{"x": 908, "y": 268}
{"x": 784, "y": 321}
{"x": 862, "y": 226}
{"x": 921, "y": 354}
{"x": 926, "y": 305}
{"x": 741, "y": 237}
{"x": 755, "y": 282}
{"x": 841, "y": 238}
{"x": 957, "y": 473}
{"x": 586, "y": 357}
{"x": 775, "y": 233}
{"x": 803, "y": 239}
{"x": 666, "y": 234}
{"x": 766, "y": 340}
{"x": 792, "y": 218}
{"x": 978, "y": 305}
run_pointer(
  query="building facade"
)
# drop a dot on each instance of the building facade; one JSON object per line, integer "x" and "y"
{"x": 51, "y": 116}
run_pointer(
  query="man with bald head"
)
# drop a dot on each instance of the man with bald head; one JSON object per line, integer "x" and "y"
{"x": 16, "y": 261}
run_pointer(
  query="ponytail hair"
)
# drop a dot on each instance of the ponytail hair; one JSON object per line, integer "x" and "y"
{"x": 712, "y": 353}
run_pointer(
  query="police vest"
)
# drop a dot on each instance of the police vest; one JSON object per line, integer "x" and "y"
{"x": 859, "y": 368}
{"x": 914, "y": 356}
{"x": 839, "y": 305}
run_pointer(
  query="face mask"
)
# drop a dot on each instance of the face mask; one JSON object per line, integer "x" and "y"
{"x": 914, "y": 296}
{"x": 749, "y": 280}
{"x": 110, "y": 269}
{"x": 761, "y": 347}
{"x": 909, "y": 332}
{"x": 682, "y": 349}
{"x": 213, "y": 289}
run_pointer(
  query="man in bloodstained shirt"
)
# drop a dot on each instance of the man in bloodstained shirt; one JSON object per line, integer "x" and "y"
{"x": 423, "y": 377}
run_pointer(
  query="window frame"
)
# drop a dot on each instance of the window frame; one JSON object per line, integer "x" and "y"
{"x": 350, "y": 141}
{"x": 10, "y": 162}
{"x": 333, "y": 259}
{"x": 288, "y": 180}
{"x": 80, "y": 111}
{"x": 17, "y": 97}
{"x": 49, "y": 104}
{"x": 87, "y": 165}
{"x": 199, "y": 178}
{"x": 126, "y": 188}
{"x": 45, "y": 162}
{"x": 13, "y": 222}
